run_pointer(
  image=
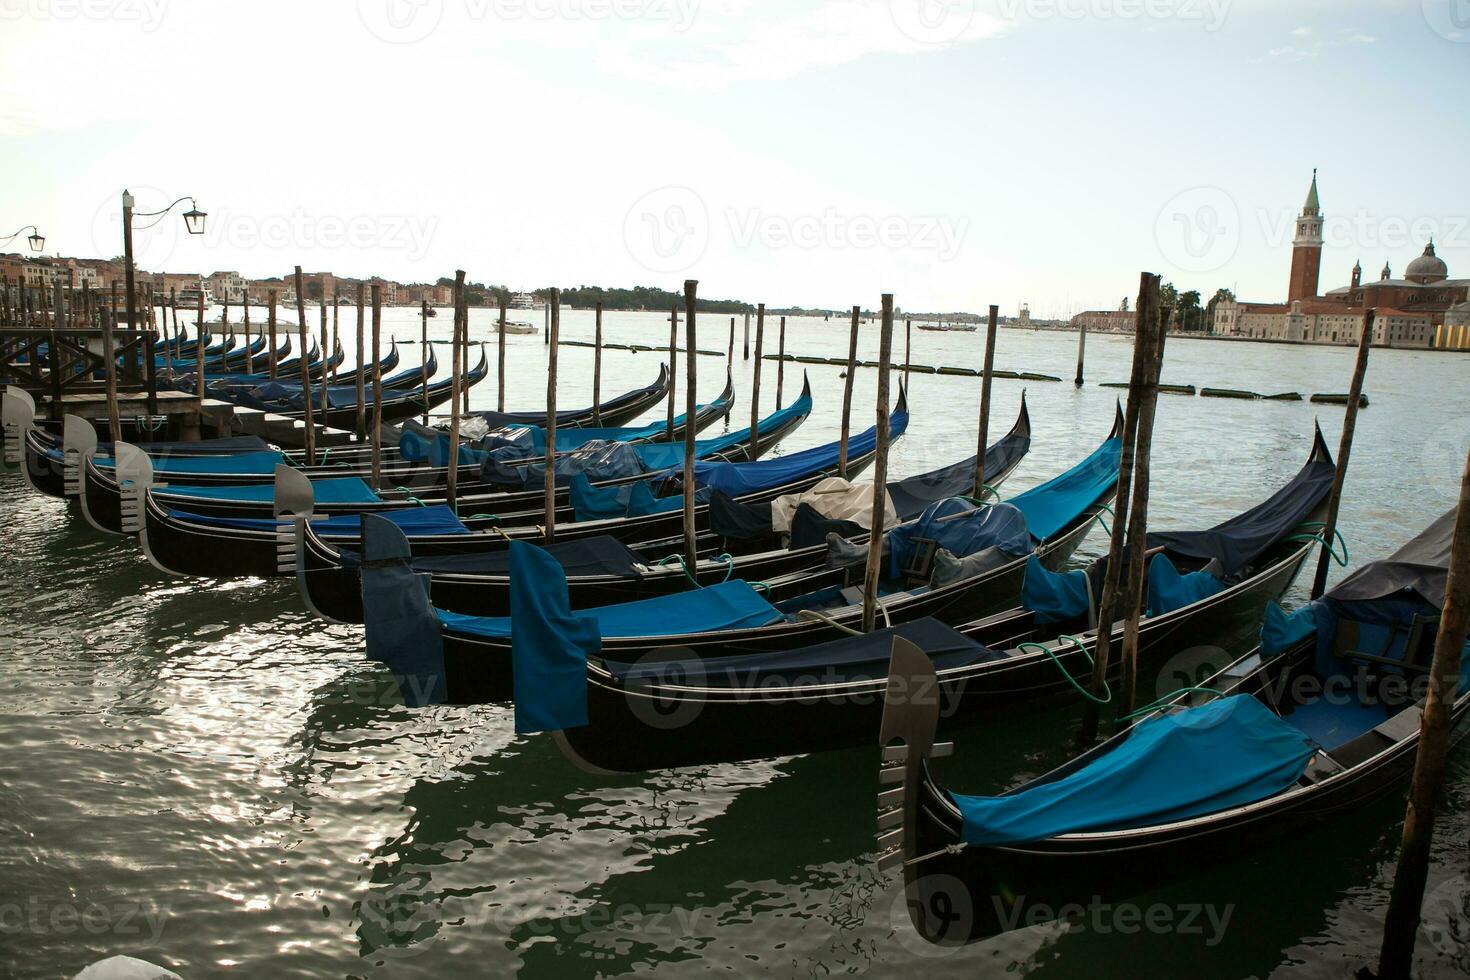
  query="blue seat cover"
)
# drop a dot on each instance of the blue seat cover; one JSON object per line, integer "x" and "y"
{"x": 338, "y": 490}
{"x": 550, "y": 649}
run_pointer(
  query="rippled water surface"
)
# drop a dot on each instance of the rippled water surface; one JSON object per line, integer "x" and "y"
{"x": 200, "y": 774}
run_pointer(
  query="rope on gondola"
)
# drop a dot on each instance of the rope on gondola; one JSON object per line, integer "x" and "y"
{"x": 985, "y": 490}
{"x": 1107, "y": 691}
{"x": 1161, "y": 702}
{"x": 729, "y": 561}
{"x": 1104, "y": 524}
{"x": 1336, "y": 535}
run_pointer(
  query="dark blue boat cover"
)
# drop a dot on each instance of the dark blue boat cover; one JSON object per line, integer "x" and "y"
{"x": 912, "y": 495}
{"x": 1238, "y": 541}
{"x": 961, "y": 528}
{"x": 398, "y": 620}
{"x": 412, "y": 521}
{"x": 1198, "y": 761}
{"x": 849, "y": 658}
{"x": 738, "y": 479}
{"x": 728, "y": 606}
{"x": 601, "y": 555}
{"x": 550, "y": 648}
{"x": 596, "y": 461}
{"x": 592, "y": 503}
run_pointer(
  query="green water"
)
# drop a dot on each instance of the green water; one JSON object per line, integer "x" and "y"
{"x": 200, "y": 774}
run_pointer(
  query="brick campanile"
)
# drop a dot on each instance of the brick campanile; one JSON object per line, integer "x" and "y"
{"x": 1306, "y": 249}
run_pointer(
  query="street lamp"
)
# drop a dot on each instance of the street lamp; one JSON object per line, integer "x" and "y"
{"x": 193, "y": 221}
{"x": 37, "y": 241}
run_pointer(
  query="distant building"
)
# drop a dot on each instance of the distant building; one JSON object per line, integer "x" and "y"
{"x": 228, "y": 287}
{"x": 1419, "y": 310}
{"x": 1106, "y": 321}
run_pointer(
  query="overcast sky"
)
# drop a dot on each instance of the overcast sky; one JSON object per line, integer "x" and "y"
{"x": 812, "y": 152}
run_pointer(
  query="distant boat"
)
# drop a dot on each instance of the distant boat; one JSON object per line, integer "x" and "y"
{"x": 518, "y": 326}
{"x": 948, "y": 327}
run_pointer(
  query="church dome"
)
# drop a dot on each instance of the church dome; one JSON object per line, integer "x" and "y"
{"x": 1427, "y": 267}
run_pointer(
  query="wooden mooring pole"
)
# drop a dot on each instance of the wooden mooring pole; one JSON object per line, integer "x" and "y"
{"x": 597, "y": 366}
{"x": 874, "y": 568}
{"x": 198, "y": 357}
{"x": 327, "y": 356}
{"x": 1145, "y": 313}
{"x": 361, "y": 380}
{"x": 691, "y": 540}
{"x": 270, "y": 319}
{"x": 987, "y": 376}
{"x": 1401, "y": 924}
{"x": 461, "y": 323}
{"x": 1081, "y": 350}
{"x": 109, "y": 351}
{"x": 755, "y": 384}
{"x": 424, "y": 353}
{"x": 746, "y": 355}
{"x": 249, "y": 354}
{"x": 377, "y": 422}
{"x": 730, "y": 352}
{"x": 781, "y": 365}
{"x": 336, "y": 329}
{"x": 673, "y": 367}
{"x": 500, "y": 385}
{"x": 308, "y": 416}
{"x": 553, "y": 332}
{"x": 908, "y": 348}
{"x": 1344, "y": 450}
{"x": 852, "y": 341}
{"x": 1136, "y": 543}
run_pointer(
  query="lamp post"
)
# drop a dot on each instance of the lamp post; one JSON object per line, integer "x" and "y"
{"x": 193, "y": 221}
{"x": 37, "y": 241}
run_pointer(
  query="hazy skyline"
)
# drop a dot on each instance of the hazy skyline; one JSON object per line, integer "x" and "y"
{"x": 808, "y": 153}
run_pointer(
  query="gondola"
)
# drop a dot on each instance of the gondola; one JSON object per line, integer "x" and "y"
{"x": 603, "y": 571}
{"x": 735, "y": 708}
{"x": 185, "y": 542}
{"x": 805, "y": 608}
{"x": 502, "y": 507}
{"x": 1313, "y": 724}
{"x": 617, "y": 411}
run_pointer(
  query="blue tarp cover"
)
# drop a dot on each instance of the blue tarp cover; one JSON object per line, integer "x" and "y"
{"x": 1222, "y": 754}
{"x": 1055, "y": 597}
{"x": 1059, "y": 501}
{"x": 592, "y": 503}
{"x": 398, "y": 621}
{"x": 1282, "y": 630}
{"x": 412, "y": 521}
{"x": 1169, "y": 590}
{"x": 728, "y": 606}
{"x": 738, "y": 479}
{"x": 550, "y": 648}
{"x": 338, "y": 490}
{"x": 961, "y": 528}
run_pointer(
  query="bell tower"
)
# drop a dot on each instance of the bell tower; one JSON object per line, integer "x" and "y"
{"x": 1306, "y": 249}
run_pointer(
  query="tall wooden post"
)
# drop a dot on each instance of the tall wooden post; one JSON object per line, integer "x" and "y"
{"x": 1081, "y": 350}
{"x": 988, "y": 375}
{"x": 691, "y": 541}
{"x": 781, "y": 365}
{"x": 198, "y": 357}
{"x": 461, "y": 315}
{"x": 377, "y": 422}
{"x": 336, "y": 328}
{"x": 1136, "y": 544}
{"x": 1344, "y": 450}
{"x": 755, "y": 384}
{"x": 327, "y": 354}
{"x": 880, "y": 472}
{"x": 1145, "y": 314}
{"x": 270, "y": 320}
{"x": 424, "y": 353}
{"x": 249, "y": 354}
{"x": 173, "y": 302}
{"x": 747, "y": 337}
{"x": 673, "y": 368}
{"x": 109, "y": 351}
{"x": 730, "y": 352}
{"x": 1401, "y": 924}
{"x": 500, "y": 387}
{"x": 852, "y": 339}
{"x": 308, "y": 416}
{"x": 597, "y": 367}
{"x": 908, "y": 348}
{"x": 362, "y": 366}
{"x": 553, "y": 331}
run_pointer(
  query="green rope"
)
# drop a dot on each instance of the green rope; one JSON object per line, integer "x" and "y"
{"x": 1336, "y": 535}
{"x": 1107, "y": 691}
{"x": 985, "y": 489}
{"x": 1099, "y": 518}
{"x": 1167, "y": 698}
{"x": 325, "y": 453}
{"x": 477, "y": 517}
{"x": 759, "y": 586}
